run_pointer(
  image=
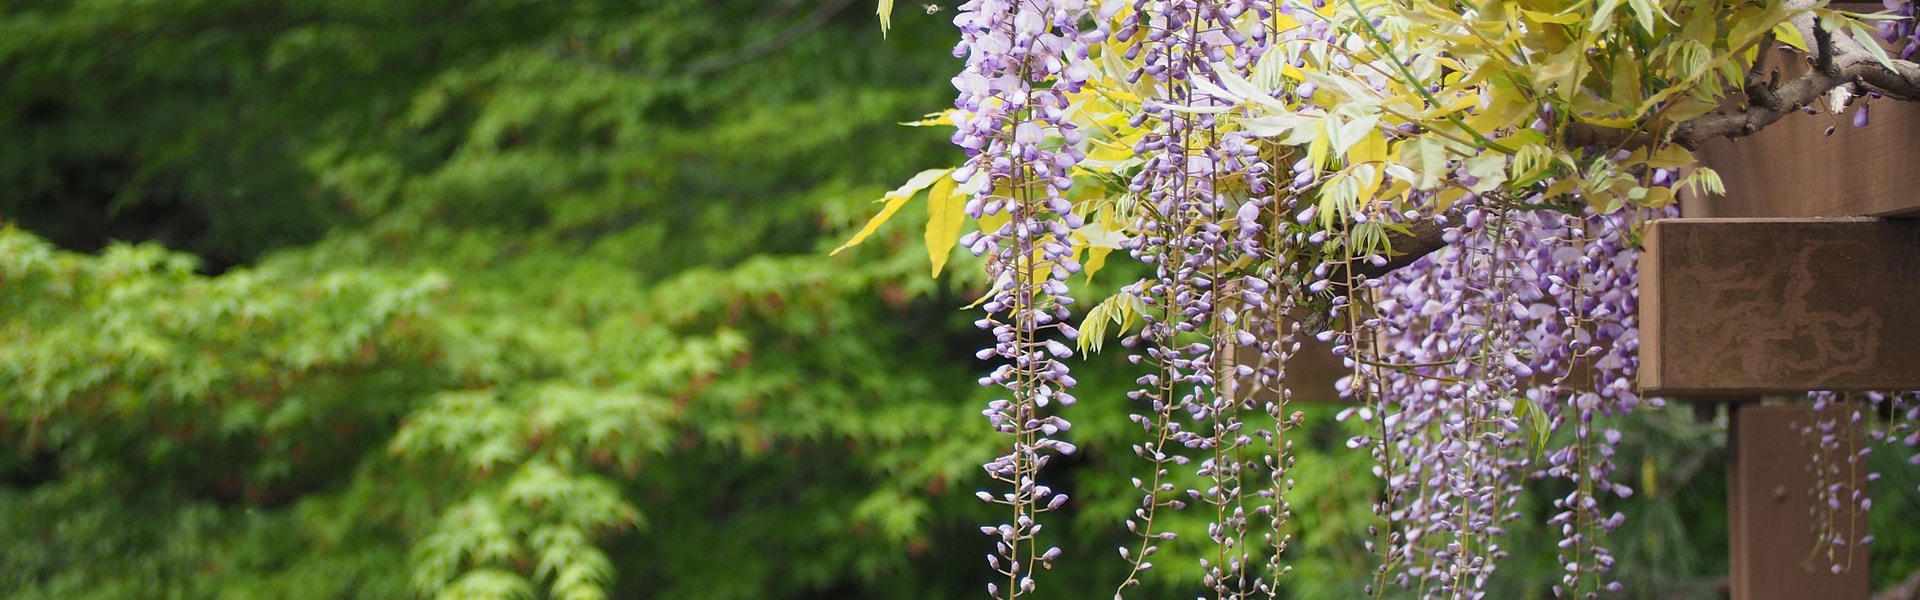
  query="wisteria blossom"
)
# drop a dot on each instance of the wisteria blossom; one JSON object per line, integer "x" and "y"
{"x": 1017, "y": 170}
{"x": 1413, "y": 186}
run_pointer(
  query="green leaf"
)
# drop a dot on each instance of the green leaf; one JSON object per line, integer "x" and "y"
{"x": 1646, "y": 11}
{"x": 1537, "y": 422}
{"x": 1490, "y": 169}
{"x": 1293, "y": 129}
{"x": 1703, "y": 180}
{"x": 1530, "y": 164}
{"x": 1100, "y": 237}
{"x": 1427, "y": 158}
{"x": 1790, "y": 35}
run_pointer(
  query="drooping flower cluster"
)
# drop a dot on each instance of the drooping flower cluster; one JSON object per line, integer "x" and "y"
{"x": 1441, "y": 374}
{"x": 1270, "y": 150}
{"x": 1517, "y": 320}
{"x": 1021, "y": 150}
{"x": 1837, "y": 439}
{"x": 1209, "y": 204}
{"x": 1523, "y": 325}
{"x": 1901, "y": 31}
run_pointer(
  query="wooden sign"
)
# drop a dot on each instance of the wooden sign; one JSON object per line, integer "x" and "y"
{"x": 1756, "y": 306}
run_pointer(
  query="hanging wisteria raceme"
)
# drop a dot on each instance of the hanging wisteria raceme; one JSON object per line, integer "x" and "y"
{"x": 1576, "y": 287}
{"x": 1436, "y": 359}
{"x": 1904, "y": 425}
{"x": 1239, "y": 309}
{"x": 1838, "y": 440}
{"x": 1021, "y": 151}
{"x": 1268, "y": 150}
{"x": 1523, "y": 325}
{"x": 1199, "y": 181}
{"x": 1163, "y": 39}
{"x": 1256, "y": 304}
{"x": 1837, "y": 457}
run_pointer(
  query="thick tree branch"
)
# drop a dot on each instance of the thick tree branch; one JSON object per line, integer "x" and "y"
{"x": 1420, "y": 239}
{"x": 1760, "y": 82}
{"x": 1837, "y": 61}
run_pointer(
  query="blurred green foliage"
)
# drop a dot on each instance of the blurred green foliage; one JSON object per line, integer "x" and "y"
{"x": 530, "y": 299}
{"x": 515, "y": 299}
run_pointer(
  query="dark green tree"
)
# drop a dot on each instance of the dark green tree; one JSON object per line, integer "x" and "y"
{"x": 492, "y": 299}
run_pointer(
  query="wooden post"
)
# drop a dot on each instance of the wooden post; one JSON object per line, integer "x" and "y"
{"x": 1771, "y": 534}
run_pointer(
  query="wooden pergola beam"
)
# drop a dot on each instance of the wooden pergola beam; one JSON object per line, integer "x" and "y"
{"x": 1779, "y": 306}
{"x": 1819, "y": 165}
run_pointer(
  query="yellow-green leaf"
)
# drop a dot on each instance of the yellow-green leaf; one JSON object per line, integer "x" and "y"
{"x": 993, "y": 222}
{"x": 1505, "y": 108}
{"x": 1603, "y": 16}
{"x": 1100, "y": 237}
{"x": 1866, "y": 39}
{"x": 886, "y": 16}
{"x": 1562, "y": 188}
{"x": 1646, "y": 11}
{"x": 946, "y": 211}
{"x": 1317, "y": 149}
{"x": 1119, "y": 309}
{"x": 1673, "y": 156}
{"x": 1427, "y": 158}
{"x": 1544, "y": 18}
{"x": 1702, "y": 180}
{"x": 1369, "y": 177}
{"x": 1372, "y": 147}
{"x": 1445, "y": 199}
{"x": 944, "y": 117}
{"x": 894, "y": 199}
{"x": 1656, "y": 197}
{"x": 1790, "y": 35}
{"x": 1096, "y": 258}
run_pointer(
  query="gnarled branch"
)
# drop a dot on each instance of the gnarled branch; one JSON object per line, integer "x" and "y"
{"x": 1838, "y": 61}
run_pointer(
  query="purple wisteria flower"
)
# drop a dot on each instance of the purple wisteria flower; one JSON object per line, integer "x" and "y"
{"x": 1525, "y": 324}
{"x": 1021, "y": 151}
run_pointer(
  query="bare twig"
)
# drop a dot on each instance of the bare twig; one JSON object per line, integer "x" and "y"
{"x": 1822, "y": 48}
